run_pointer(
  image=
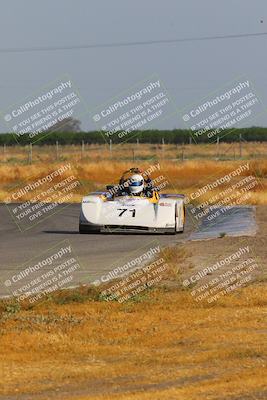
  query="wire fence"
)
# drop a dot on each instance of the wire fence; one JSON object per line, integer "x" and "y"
{"x": 133, "y": 151}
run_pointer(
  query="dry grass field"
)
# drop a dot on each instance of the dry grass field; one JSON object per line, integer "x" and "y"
{"x": 97, "y": 166}
{"x": 161, "y": 346}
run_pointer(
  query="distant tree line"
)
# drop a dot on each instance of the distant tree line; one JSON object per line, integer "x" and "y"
{"x": 175, "y": 136}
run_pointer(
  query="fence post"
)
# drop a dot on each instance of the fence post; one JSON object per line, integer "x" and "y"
{"x": 82, "y": 154}
{"x": 182, "y": 155}
{"x": 57, "y": 149}
{"x": 30, "y": 153}
{"x": 240, "y": 145}
{"x": 110, "y": 146}
{"x": 218, "y": 147}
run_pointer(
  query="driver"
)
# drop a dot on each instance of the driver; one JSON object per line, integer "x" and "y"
{"x": 135, "y": 184}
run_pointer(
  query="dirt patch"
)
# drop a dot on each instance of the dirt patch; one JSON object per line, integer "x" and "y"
{"x": 212, "y": 259}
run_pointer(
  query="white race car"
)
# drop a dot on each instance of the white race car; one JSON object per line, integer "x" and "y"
{"x": 161, "y": 213}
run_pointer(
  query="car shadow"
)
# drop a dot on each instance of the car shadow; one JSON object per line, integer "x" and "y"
{"x": 63, "y": 232}
{"x": 108, "y": 233}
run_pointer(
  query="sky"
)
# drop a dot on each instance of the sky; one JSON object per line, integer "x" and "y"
{"x": 190, "y": 70}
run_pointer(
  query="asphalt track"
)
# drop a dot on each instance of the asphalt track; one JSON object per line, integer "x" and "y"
{"x": 98, "y": 254}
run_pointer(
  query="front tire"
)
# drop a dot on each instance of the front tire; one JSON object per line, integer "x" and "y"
{"x": 83, "y": 229}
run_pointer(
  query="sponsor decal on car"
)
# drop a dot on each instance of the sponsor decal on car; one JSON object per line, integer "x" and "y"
{"x": 165, "y": 204}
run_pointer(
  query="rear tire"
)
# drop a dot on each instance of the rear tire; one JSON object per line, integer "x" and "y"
{"x": 180, "y": 230}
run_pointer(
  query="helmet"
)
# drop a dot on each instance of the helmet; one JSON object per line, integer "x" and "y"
{"x": 136, "y": 184}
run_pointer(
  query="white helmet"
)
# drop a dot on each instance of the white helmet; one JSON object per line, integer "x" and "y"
{"x": 136, "y": 184}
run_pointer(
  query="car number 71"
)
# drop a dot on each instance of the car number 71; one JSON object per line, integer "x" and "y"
{"x": 123, "y": 210}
